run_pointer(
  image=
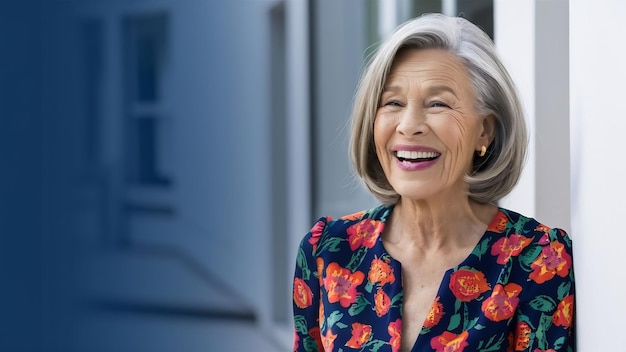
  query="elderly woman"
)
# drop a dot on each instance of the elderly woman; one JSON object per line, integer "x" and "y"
{"x": 438, "y": 137}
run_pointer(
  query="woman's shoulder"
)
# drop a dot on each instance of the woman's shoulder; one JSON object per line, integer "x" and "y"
{"x": 512, "y": 223}
{"x": 327, "y": 228}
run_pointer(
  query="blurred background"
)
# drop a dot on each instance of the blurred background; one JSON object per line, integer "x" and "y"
{"x": 161, "y": 159}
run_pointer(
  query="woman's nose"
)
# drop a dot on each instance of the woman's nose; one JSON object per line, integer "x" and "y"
{"x": 412, "y": 121}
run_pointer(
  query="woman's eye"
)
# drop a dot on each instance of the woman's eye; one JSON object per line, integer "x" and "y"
{"x": 393, "y": 103}
{"x": 438, "y": 104}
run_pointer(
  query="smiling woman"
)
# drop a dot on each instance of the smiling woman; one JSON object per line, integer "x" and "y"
{"x": 438, "y": 138}
{"x": 427, "y": 120}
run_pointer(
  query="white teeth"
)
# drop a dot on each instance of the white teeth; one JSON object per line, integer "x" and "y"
{"x": 406, "y": 154}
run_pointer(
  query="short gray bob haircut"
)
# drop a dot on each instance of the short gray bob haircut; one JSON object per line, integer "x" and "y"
{"x": 494, "y": 175}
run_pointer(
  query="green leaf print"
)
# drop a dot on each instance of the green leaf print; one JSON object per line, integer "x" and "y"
{"x": 492, "y": 346}
{"x": 397, "y": 298}
{"x": 519, "y": 225}
{"x": 300, "y": 323}
{"x": 358, "y": 306}
{"x": 375, "y": 344}
{"x": 544, "y": 323}
{"x": 329, "y": 244}
{"x": 529, "y": 255}
{"x": 357, "y": 258}
{"x": 455, "y": 321}
{"x": 302, "y": 264}
{"x": 333, "y": 318}
{"x": 309, "y": 344}
{"x": 470, "y": 324}
{"x": 341, "y": 325}
{"x": 369, "y": 286}
{"x": 564, "y": 290}
{"x": 553, "y": 234}
{"x": 543, "y": 303}
{"x": 558, "y": 344}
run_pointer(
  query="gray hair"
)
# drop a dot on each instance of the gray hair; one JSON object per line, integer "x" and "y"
{"x": 494, "y": 175}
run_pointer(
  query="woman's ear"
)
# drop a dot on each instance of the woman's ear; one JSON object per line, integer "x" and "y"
{"x": 488, "y": 131}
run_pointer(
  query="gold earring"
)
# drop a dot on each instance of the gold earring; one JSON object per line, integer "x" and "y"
{"x": 483, "y": 150}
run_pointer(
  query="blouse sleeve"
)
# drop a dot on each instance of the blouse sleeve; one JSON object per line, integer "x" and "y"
{"x": 306, "y": 292}
{"x": 546, "y": 318}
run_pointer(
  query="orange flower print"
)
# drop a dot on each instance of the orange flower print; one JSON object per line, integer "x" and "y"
{"x": 553, "y": 260}
{"x": 394, "y": 329}
{"x": 364, "y": 233}
{"x": 507, "y": 247}
{"x": 302, "y": 295}
{"x": 435, "y": 314}
{"x": 502, "y": 303}
{"x": 522, "y": 336}
{"x": 317, "y": 337}
{"x": 328, "y": 341}
{"x": 361, "y": 333}
{"x": 341, "y": 284}
{"x": 564, "y": 312}
{"x": 449, "y": 342}
{"x": 498, "y": 224}
{"x": 381, "y": 272}
{"x": 316, "y": 233}
{"x": 382, "y": 303}
{"x": 467, "y": 285}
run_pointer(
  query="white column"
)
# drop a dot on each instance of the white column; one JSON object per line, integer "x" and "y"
{"x": 597, "y": 76}
{"x": 551, "y": 134}
{"x": 532, "y": 38}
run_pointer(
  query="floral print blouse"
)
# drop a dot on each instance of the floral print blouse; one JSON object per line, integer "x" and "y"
{"x": 514, "y": 292}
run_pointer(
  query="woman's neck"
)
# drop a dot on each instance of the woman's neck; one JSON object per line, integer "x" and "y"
{"x": 439, "y": 225}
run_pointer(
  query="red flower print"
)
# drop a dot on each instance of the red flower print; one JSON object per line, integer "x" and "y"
{"x": 328, "y": 341}
{"x": 382, "y": 303}
{"x": 316, "y": 233}
{"x": 502, "y": 303}
{"x": 302, "y": 295}
{"x": 316, "y": 335}
{"x": 381, "y": 272}
{"x": 498, "y": 224}
{"x": 395, "y": 329}
{"x": 435, "y": 314}
{"x": 361, "y": 333}
{"x": 467, "y": 285}
{"x": 564, "y": 312}
{"x": 364, "y": 233}
{"x": 522, "y": 336}
{"x": 341, "y": 284}
{"x": 355, "y": 216}
{"x": 553, "y": 260}
{"x": 507, "y": 247}
{"x": 449, "y": 342}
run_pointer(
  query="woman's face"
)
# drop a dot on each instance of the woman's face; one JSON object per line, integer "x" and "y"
{"x": 427, "y": 129}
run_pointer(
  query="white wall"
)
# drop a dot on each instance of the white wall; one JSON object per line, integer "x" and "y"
{"x": 598, "y": 122}
{"x": 591, "y": 120}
